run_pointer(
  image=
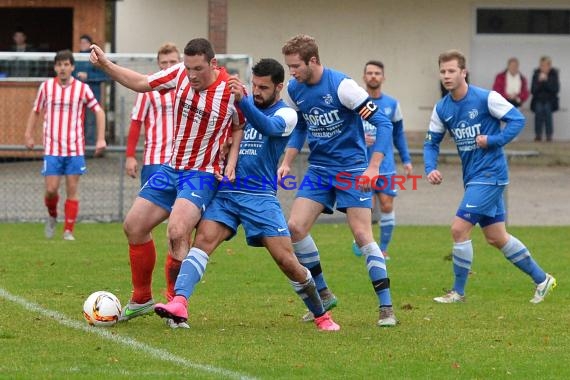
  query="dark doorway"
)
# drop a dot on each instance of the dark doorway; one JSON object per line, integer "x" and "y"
{"x": 47, "y": 29}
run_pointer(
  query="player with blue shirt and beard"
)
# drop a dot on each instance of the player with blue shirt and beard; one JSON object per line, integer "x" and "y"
{"x": 386, "y": 190}
{"x": 473, "y": 116}
{"x": 330, "y": 106}
{"x": 252, "y": 199}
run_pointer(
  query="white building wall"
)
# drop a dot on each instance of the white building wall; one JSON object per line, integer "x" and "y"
{"x": 144, "y": 25}
{"x": 407, "y": 35}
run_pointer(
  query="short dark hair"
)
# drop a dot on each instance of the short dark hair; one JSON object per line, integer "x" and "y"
{"x": 269, "y": 67}
{"x": 375, "y": 63}
{"x": 64, "y": 55}
{"x": 200, "y": 46}
{"x": 86, "y": 37}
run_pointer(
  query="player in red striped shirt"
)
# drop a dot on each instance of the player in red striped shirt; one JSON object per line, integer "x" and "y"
{"x": 204, "y": 114}
{"x": 156, "y": 112}
{"x": 63, "y": 100}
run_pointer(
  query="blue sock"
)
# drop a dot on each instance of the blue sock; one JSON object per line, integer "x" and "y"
{"x": 462, "y": 260}
{"x": 191, "y": 272}
{"x": 387, "y": 224}
{"x": 308, "y": 255}
{"x": 307, "y": 291}
{"x": 377, "y": 273}
{"x": 517, "y": 253}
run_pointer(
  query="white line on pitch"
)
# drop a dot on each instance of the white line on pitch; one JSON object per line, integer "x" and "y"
{"x": 156, "y": 352}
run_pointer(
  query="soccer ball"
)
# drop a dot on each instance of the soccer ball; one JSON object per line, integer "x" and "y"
{"x": 102, "y": 309}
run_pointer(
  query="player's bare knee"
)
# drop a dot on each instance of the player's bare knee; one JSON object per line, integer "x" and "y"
{"x": 459, "y": 234}
{"x": 386, "y": 204}
{"x": 297, "y": 230}
{"x": 128, "y": 228}
{"x": 205, "y": 243}
{"x": 497, "y": 241}
{"x": 175, "y": 250}
{"x": 362, "y": 237}
{"x": 177, "y": 233}
{"x": 134, "y": 232}
{"x": 494, "y": 243}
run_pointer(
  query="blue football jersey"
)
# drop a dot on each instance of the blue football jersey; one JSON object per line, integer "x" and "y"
{"x": 329, "y": 115}
{"x": 265, "y": 137}
{"x": 391, "y": 108}
{"x": 480, "y": 112}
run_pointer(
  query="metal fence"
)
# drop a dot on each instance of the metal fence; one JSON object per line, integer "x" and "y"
{"x": 106, "y": 193}
{"x": 30, "y": 69}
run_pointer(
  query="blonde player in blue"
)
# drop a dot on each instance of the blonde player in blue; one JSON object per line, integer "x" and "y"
{"x": 330, "y": 106}
{"x": 473, "y": 117}
{"x": 251, "y": 200}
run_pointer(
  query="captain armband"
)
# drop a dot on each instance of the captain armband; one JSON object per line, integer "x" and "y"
{"x": 367, "y": 109}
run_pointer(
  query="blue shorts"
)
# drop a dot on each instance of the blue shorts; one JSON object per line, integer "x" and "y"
{"x": 167, "y": 184}
{"x": 147, "y": 171}
{"x": 60, "y": 165}
{"x": 261, "y": 215}
{"x": 329, "y": 187}
{"x": 386, "y": 185}
{"x": 482, "y": 204}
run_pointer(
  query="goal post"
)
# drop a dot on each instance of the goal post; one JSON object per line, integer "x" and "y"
{"x": 119, "y": 100}
{"x": 22, "y": 73}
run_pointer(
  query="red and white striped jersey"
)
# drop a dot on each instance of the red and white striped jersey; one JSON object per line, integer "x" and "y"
{"x": 156, "y": 112}
{"x": 64, "y": 112}
{"x": 203, "y": 119}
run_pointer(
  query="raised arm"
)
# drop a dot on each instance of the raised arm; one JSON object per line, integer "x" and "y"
{"x": 127, "y": 77}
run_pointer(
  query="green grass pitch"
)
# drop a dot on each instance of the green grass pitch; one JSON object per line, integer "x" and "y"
{"x": 245, "y": 318}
